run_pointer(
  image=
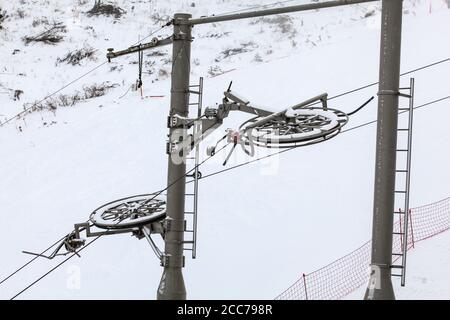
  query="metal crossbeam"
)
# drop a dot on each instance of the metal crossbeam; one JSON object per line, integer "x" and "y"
{"x": 149, "y": 45}
{"x": 268, "y": 12}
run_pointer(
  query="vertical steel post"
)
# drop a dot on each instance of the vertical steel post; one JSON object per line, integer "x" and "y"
{"x": 172, "y": 286}
{"x": 304, "y": 285}
{"x": 380, "y": 284}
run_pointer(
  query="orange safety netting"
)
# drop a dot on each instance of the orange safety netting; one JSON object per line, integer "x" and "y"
{"x": 348, "y": 273}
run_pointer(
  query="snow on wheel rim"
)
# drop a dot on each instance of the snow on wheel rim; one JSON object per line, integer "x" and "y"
{"x": 129, "y": 212}
{"x": 297, "y": 128}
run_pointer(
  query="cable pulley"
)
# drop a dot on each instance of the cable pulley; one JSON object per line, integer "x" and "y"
{"x": 296, "y": 126}
{"x": 129, "y": 212}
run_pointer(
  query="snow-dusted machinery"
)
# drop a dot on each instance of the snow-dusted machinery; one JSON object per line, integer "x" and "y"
{"x": 299, "y": 125}
{"x": 306, "y": 123}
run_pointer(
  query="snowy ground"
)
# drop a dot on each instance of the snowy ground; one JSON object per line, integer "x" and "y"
{"x": 262, "y": 225}
{"x": 427, "y": 272}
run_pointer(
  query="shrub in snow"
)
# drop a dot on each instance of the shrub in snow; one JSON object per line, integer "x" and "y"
{"x": 216, "y": 35}
{"x": 215, "y": 71}
{"x": 76, "y": 56}
{"x": 38, "y": 21}
{"x": 64, "y": 100}
{"x": 156, "y": 53}
{"x": 163, "y": 73}
{"x": 282, "y": 23}
{"x": 369, "y": 14}
{"x": 257, "y": 58}
{"x": 20, "y": 14}
{"x": 159, "y": 18}
{"x": 17, "y": 94}
{"x": 105, "y": 9}
{"x": 97, "y": 90}
{"x": 3, "y": 17}
{"x": 245, "y": 47}
{"x": 50, "y": 36}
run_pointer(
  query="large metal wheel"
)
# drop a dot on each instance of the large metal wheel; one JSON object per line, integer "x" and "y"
{"x": 130, "y": 212}
{"x": 296, "y": 128}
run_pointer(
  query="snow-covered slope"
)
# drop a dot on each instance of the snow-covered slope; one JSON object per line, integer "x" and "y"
{"x": 427, "y": 275}
{"x": 261, "y": 225}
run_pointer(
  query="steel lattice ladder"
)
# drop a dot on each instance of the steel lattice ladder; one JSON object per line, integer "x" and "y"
{"x": 403, "y": 174}
{"x": 191, "y": 195}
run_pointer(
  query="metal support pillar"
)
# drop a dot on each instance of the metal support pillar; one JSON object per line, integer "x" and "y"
{"x": 380, "y": 285}
{"x": 172, "y": 286}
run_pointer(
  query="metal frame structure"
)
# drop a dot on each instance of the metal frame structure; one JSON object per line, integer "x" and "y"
{"x": 180, "y": 143}
{"x": 380, "y": 285}
{"x": 403, "y": 192}
{"x": 196, "y": 175}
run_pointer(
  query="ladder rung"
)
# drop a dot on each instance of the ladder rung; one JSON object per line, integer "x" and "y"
{"x": 395, "y": 275}
{"x": 400, "y": 191}
{"x": 394, "y": 266}
{"x": 188, "y": 249}
{"x": 401, "y": 170}
{"x": 189, "y": 194}
{"x": 194, "y": 86}
{"x": 399, "y": 212}
{"x": 198, "y": 92}
{"x": 189, "y": 231}
{"x": 193, "y": 104}
{"x": 405, "y": 88}
{"x": 403, "y": 129}
{"x": 398, "y": 233}
{"x": 402, "y": 150}
{"x": 189, "y": 212}
{"x": 189, "y": 241}
{"x": 397, "y": 254}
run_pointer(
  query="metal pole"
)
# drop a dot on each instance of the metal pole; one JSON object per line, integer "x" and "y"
{"x": 261, "y": 13}
{"x": 304, "y": 285}
{"x": 380, "y": 285}
{"x": 172, "y": 286}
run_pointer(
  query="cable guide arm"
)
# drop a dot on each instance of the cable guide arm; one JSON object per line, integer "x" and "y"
{"x": 73, "y": 241}
{"x": 155, "y": 42}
